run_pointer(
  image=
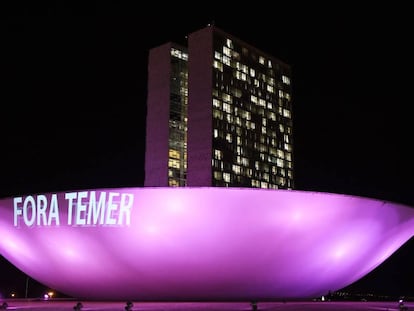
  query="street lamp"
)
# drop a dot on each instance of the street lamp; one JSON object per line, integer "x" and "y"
{"x": 27, "y": 287}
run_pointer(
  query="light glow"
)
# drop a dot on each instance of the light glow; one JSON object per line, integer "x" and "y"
{"x": 206, "y": 243}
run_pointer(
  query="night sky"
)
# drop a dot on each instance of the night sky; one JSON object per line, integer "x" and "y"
{"x": 73, "y": 98}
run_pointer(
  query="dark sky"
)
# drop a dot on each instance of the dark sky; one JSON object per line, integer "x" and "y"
{"x": 73, "y": 97}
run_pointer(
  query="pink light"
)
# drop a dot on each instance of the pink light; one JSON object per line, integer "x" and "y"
{"x": 203, "y": 243}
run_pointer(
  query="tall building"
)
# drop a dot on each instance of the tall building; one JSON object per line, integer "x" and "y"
{"x": 219, "y": 113}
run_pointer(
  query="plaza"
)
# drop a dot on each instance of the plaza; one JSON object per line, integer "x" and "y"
{"x": 62, "y": 305}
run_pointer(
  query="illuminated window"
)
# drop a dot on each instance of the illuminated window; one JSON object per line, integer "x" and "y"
{"x": 279, "y": 162}
{"x": 173, "y": 182}
{"x": 218, "y": 65}
{"x": 241, "y": 76}
{"x": 227, "y": 107}
{"x": 245, "y": 161}
{"x": 216, "y": 133}
{"x": 262, "y": 60}
{"x": 271, "y": 81}
{"x": 179, "y": 54}
{"x": 226, "y": 51}
{"x": 217, "y": 175}
{"x": 236, "y": 169}
{"x": 285, "y": 79}
{"x": 229, "y": 138}
{"x": 174, "y": 163}
{"x": 226, "y": 97}
{"x": 270, "y": 88}
{"x": 262, "y": 102}
{"x": 286, "y": 137}
{"x": 217, "y": 164}
{"x": 226, "y": 60}
{"x": 217, "y": 114}
{"x": 216, "y": 103}
{"x": 253, "y": 99}
{"x": 236, "y": 92}
{"x": 226, "y": 177}
{"x": 229, "y": 118}
{"x": 286, "y": 113}
{"x": 262, "y": 148}
{"x": 229, "y": 43}
{"x": 218, "y": 154}
{"x": 174, "y": 154}
{"x": 271, "y": 116}
{"x": 281, "y": 180}
{"x": 235, "y": 55}
{"x": 269, "y": 63}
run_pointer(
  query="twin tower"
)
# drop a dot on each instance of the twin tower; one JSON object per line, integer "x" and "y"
{"x": 219, "y": 113}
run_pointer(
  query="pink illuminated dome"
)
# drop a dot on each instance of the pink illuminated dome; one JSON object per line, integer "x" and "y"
{"x": 199, "y": 243}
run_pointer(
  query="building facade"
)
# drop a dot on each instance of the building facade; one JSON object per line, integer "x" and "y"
{"x": 219, "y": 113}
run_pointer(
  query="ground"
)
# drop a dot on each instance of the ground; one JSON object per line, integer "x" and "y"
{"x": 25, "y": 305}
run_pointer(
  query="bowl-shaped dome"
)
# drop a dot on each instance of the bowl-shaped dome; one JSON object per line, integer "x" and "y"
{"x": 199, "y": 243}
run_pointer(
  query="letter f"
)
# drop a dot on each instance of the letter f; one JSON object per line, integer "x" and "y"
{"x": 17, "y": 209}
